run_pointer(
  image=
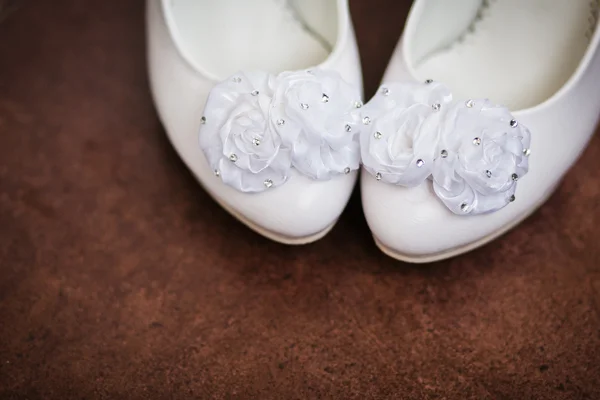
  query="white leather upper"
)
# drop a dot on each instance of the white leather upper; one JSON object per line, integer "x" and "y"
{"x": 299, "y": 208}
{"x": 412, "y": 221}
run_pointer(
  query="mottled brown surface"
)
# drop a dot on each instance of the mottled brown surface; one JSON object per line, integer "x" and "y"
{"x": 121, "y": 278}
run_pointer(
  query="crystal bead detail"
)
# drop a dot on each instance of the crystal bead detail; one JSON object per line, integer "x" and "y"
{"x": 366, "y": 120}
{"x": 280, "y": 122}
{"x": 477, "y": 141}
{"x": 428, "y": 81}
{"x": 347, "y": 170}
{"x": 385, "y": 91}
{"x": 254, "y": 93}
{"x": 436, "y": 106}
{"x": 469, "y": 103}
{"x": 512, "y": 198}
{"x": 217, "y": 173}
{"x": 378, "y": 176}
{"x": 358, "y": 104}
{"x": 268, "y": 183}
{"x": 513, "y": 123}
{"x": 526, "y": 152}
{"x": 464, "y": 207}
{"x": 304, "y": 106}
{"x": 348, "y": 128}
{"x": 514, "y": 177}
{"x": 203, "y": 120}
{"x": 325, "y": 98}
{"x": 420, "y": 163}
{"x": 488, "y": 173}
{"x": 377, "y": 135}
{"x": 256, "y": 141}
{"x": 444, "y": 153}
{"x": 233, "y": 157}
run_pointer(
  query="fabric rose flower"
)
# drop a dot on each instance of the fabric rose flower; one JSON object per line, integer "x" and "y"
{"x": 482, "y": 153}
{"x": 239, "y": 135}
{"x": 398, "y": 143}
{"x": 320, "y": 125}
{"x": 474, "y": 151}
{"x": 256, "y": 126}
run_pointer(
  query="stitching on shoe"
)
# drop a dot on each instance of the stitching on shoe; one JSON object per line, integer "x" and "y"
{"x": 482, "y": 13}
{"x": 593, "y": 19}
{"x": 293, "y": 14}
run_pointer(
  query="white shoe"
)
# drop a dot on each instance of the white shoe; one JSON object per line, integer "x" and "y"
{"x": 540, "y": 58}
{"x": 259, "y": 129}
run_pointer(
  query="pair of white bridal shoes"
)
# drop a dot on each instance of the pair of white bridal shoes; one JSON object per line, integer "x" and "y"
{"x": 484, "y": 106}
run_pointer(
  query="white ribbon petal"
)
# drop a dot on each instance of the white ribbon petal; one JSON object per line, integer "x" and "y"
{"x": 256, "y": 126}
{"x": 474, "y": 151}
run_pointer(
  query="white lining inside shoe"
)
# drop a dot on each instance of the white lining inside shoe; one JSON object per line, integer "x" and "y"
{"x": 225, "y": 36}
{"x": 517, "y": 53}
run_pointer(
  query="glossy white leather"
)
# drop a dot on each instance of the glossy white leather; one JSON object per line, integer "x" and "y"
{"x": 300, "y": 208}
{"x": 413, "y": 223}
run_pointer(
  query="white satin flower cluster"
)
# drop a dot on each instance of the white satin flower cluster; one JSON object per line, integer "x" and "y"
{"x": 257, "y": 126}
{"x": 474, "y": 151}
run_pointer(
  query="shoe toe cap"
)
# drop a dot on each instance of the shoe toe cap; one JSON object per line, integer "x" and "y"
{"x": 414, "y": 225}
{"x": 298, "y": 211}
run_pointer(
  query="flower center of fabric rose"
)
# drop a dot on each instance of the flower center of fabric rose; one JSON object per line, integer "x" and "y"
{"x": 250, "y": 133}
{"x": 401, "y": 143}
{"x": 491, "y": 150}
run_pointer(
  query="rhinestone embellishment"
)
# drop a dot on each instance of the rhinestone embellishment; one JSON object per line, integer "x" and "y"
{"x": 254, "y": 93}
{"x": 217, "y": 173}
{"x": 514, "y": 177}
{"x": 378, "y": 176}
{"x": 513, "y": 123}
{"x": 526, "y": 152}
{"x": 444, "y": 153}
{"x": 385, "y": 91}
{"x": 477, "y": 141}
{"x": 377, "y": 135}
{"x": 358, "y": 104}
{"x": 347, "y": 170}
{"x": 436, "y": 106}
{"x": 237, "y": 79}
{"x": 420, "y": 163}
{"x": 428, "y": 81}
{"x": 304, "y": 106}
{"x": 348, "y": 128}
{"x": 256, "y": 141}
{"x": 488, "y": 173}
{"x": 464, "y": 207}
{"x": 512, "y": 198}
{"x": 470, "y": 103}
{"x": 268, "y": 183}
{"x": 280, "y": 122}
{"x": 366, "y": 120}
{"x": 233, "y": 157}
{"x": 325, "y": 98}
{"x": 203, "y": 120}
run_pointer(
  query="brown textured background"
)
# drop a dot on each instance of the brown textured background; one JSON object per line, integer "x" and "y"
{"x": 120, "y": 278}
